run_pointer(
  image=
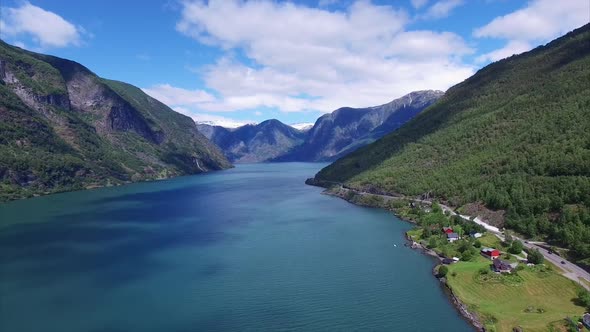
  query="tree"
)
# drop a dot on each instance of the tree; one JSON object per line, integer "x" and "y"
{"x": 464, "y": 246}
{"x": 467, "y": 255}
{"x": 427, "y": 232}
{"x": 535, "y": 257}
{"x": 442, "y": 271}
{"x": 432, "y": 243}
{"x": 477, "y": 244}
{"x": 583, "y": 297}
{"x": 516, "y": 247}
{"x": 508, "y": 239}
{"x": 436, "y": 208}
{"x": 458, "y": 229}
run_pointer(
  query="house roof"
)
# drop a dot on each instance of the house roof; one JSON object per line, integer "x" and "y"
{"x": 453, "y": 235}
{"x": 502, "y": 264}
{"x": 489, "y": 250}
{"x": 448, "y": 261}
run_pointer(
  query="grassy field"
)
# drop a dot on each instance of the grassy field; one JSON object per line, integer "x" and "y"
{"x": 534, "y": 299}
{"x": 491, "y": 241}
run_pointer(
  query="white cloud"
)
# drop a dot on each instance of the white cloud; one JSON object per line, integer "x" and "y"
{"x": 442, "y": 8}
{"x": 513, "y": 47}
{"x": 419, "y": 3}
{"x": 174, "y": 96}
{"x": 314, "y": 59}
{"x": 539, "y": 22}
{"x": 420, "y": 44}
{"x": 46, "y": 28}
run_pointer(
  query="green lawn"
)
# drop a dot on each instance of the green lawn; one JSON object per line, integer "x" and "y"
{"x": 502, "y": 302}
{"x": 416, "y": 234}
{"x": 490, "y": 240}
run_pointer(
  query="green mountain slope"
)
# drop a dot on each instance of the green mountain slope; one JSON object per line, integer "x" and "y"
{"x": 64, "y": 128}
{"x": 515, "y": 137}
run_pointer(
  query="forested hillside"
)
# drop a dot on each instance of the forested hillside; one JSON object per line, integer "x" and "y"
{"x": 64, "y": 128}
{"x": 515, "y": 136}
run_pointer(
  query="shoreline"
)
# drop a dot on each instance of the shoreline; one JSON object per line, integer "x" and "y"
{"x": 94, "y": 186}
{"x": 461, "y": 307}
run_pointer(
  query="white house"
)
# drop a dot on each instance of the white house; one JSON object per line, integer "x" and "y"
{"x": 452, "y": 237}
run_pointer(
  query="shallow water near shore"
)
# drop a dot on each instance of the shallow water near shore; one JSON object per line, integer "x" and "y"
{"x": 248, "y": 249}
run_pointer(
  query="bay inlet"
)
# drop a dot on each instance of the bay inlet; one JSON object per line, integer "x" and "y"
{"x": 248, "y": 249}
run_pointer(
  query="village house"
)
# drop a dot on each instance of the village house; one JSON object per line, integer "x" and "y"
{"x": 475, "y": 235}
{"x": 490, "y": 253}
{"x": 502, "y": 266}
{"x": 452, "y": 237}
{"x": 586, "y": 320}
{"x": 447, "y": 230}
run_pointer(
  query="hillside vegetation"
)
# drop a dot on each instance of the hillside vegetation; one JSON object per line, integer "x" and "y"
{"x": 515, "y": 136}
{"x": 64, "y": 128}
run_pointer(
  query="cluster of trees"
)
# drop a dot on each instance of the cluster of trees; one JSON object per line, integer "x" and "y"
{"x": 535, "y": 257}
{"x": 584, "y": 298}
{"x": 515, "y": 136}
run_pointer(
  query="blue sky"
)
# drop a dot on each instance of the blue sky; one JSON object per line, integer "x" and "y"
{"x": 246, "y": 61}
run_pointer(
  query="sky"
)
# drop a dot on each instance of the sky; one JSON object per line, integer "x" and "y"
{"x": 235, "y": 62}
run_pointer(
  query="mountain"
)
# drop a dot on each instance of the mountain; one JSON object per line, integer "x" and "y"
{"x": 223, "y": 123}
{"x": 254, "y": 143}
{"x": 514, "y": 137}
{"x": 64, "y": 128}
{"x": 303, "y": 126}
{"x": 346, "y": 129}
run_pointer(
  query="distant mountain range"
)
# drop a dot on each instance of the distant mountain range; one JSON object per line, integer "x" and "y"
{"x": 63, "y": 128}
{"x": 254, "y": 143}
{"x": 332, "y": 136}
{"x": 347, "y": 129}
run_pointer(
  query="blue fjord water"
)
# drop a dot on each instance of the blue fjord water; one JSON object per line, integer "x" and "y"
{"x": 247, "y": 249}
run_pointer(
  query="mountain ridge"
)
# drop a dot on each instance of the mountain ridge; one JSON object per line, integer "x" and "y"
{"x": 254, "y": 142}
{"x": 96, "y": 131}
{"x": 346, "y": 129}
{"x": 331, "y": 136}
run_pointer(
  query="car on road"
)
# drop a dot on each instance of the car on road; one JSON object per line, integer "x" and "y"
{"x": 562, "y": 262}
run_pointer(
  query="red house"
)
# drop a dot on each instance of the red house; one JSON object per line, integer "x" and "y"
{"x": 447, "y": 230}
{"x": 490, "y": 253}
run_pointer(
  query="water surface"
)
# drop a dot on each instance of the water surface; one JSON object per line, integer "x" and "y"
{"x": 248, "y": 249}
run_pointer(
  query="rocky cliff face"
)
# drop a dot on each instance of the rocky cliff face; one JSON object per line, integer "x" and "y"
{"x": 254, "y": 143}
{"x": 65, "y": 128}
{"x": 346, "y": 129}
